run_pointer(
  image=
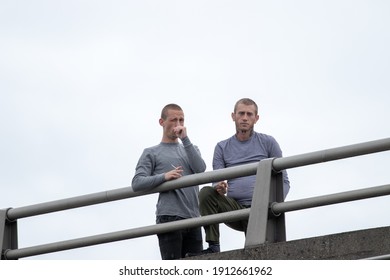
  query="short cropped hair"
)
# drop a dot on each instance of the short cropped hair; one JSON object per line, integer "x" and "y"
{"x": 246, "y": 101}
{"x": 171, "y": 106}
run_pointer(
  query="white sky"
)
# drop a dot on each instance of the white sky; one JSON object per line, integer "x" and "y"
{"x": 82, "y": 84}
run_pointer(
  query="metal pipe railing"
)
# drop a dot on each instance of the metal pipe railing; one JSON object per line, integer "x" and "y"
{"x": 332, "y": 154}
{"x": 195, "y": 222}
{"x": 127, "y": 192}
{"x": 277, "y": 165}
{"x": 329, "y": 199}
{"x": 126, "y": 234}
{"x": 202, "y": 178}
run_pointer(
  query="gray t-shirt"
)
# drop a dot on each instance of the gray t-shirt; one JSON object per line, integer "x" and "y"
{"x": 155, "y": 162}
{"x": 232, "y": 152}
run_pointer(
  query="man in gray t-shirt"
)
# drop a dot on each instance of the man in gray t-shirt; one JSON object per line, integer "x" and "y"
{"x": 167, "y": 161}
{"x": 245, "y": 146}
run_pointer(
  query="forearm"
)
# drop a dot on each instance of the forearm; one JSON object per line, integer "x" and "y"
{"x": 218, "y": 162}
{"x": 142, "y": 182}
{"x": 145, "y": 178}
{"x": 195, "y": 160}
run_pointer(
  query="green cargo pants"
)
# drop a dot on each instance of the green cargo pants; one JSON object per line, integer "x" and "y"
{"x": 211, "y": 202}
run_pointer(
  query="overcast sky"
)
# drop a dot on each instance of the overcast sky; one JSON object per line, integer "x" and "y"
{"x": 82, "y": 84}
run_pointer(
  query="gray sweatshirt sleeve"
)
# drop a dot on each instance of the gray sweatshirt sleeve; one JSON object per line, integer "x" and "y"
{"x": 193, "y": 153}
{"x": 149, "y": 173}
{"x": 144, "y": 179}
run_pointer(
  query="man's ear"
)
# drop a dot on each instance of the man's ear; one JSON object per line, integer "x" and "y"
{"x": 233, "y": 117}
{"x": 257, "y": 118}
{"x": 161, "y": 122}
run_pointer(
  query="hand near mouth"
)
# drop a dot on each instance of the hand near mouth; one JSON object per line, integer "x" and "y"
{"x": 180, "y": 131}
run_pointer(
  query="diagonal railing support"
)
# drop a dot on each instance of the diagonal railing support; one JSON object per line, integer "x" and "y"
{"x": 263, "y": 225}
{"x": 8, "y": 233}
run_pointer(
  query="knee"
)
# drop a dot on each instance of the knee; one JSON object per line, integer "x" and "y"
{"x": 208, "y": 201}
{"x": 206, "y": 193}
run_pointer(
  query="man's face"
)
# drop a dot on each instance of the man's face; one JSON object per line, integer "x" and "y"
{"x": 245, "y": 117}
{"x": 174, "y": 119}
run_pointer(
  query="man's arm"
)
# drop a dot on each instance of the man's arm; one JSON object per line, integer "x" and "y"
{"x": 219, "y": 163}
{"x": 195, "y": 159}
{"x": 144, "y": 179}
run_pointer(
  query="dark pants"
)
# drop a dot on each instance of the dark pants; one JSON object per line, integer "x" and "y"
{"x": 211, "y": 202}
{"x": 175, "y": 245}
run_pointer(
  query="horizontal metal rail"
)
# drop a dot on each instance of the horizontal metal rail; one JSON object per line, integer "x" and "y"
{"x": 332, "y": 154}
{"x": 127, "y": 192}
{"x": 202, "y": 178}
{"x": 329, "y": 199}
{"x": 195, "y": 222}
{"x": 126, "y": 234}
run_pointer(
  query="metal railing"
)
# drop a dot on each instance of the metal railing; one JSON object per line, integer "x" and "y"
{"x": 266, "y": 215}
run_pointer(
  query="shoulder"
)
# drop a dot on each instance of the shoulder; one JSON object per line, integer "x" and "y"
{"x": 152, "y": 150}
{"x": 225, "y": 142}
{"x": 264, "y": 137}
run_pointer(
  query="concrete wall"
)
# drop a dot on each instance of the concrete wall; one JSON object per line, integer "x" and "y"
{"x": 344, "y": 246}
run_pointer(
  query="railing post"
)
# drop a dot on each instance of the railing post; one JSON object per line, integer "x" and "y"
{"x": 8, "y": 233}
{"x": 276, "y": 225}
{"x": 262, "y": 225}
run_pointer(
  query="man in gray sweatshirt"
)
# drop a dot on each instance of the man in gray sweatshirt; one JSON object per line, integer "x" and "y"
{"x": 167, "y": 161}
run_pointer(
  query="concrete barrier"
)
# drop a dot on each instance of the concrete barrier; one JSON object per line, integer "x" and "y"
{"x": 343, "y": 246}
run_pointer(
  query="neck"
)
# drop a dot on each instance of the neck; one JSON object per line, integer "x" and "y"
{"x": 243, "y": 135}
{"x": 169, "y": 140}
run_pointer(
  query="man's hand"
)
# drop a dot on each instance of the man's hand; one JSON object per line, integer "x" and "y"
{"x": 221, "y": 187}
{"x": 180, "y": 131}
{"x": 174, "y": 174}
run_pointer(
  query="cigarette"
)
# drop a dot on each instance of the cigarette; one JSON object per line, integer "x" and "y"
{"x": 173, "y": 166}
